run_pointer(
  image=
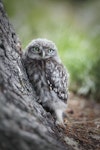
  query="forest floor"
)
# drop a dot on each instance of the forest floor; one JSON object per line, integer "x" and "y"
{"x": 83, "y": 125}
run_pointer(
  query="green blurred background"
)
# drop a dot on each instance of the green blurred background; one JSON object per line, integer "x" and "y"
{"x": 74, "y": 25}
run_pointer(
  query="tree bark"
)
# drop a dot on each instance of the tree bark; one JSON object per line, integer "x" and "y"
{"x": 24, "y": 124}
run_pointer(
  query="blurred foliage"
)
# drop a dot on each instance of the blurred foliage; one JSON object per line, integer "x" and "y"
{"x": 75, "y": 28}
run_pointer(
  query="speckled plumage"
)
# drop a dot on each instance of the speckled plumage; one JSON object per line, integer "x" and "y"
{"x": 47, "y": 75}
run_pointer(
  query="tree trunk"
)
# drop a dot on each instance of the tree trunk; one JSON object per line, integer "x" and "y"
{"x": 24, "y": 124}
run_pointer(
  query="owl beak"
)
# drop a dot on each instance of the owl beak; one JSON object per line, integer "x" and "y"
{"x": 43, "y": 54}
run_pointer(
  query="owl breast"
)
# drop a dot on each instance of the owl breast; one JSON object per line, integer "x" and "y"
{"x": 48, "y": 80}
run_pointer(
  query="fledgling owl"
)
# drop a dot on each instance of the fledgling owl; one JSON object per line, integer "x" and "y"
{"x": 47, "y": 75}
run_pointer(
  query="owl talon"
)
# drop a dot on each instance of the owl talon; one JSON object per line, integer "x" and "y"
{"x": 57, "y": 123}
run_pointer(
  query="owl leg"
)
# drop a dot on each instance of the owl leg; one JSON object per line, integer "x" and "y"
{"x": 59, "y": 117}
{"x": 59, "y": 112}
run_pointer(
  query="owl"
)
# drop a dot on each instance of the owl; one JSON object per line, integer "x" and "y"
{"x": 48, "y": 76}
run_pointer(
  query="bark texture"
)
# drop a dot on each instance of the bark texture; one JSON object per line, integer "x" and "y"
{"x": 24, "y": 124}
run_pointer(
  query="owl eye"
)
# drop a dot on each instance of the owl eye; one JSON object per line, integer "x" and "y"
{"x": 35, "y": 49}
{"x": 51, "y": 51}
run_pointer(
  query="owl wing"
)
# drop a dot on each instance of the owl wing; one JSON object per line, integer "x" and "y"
{"x": 57, "y": 78}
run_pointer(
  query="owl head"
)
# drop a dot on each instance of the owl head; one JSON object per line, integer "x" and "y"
{"x": 41, "y": 49}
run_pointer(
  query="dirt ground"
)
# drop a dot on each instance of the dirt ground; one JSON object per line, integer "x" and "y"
{"x": 83, "y": 124}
